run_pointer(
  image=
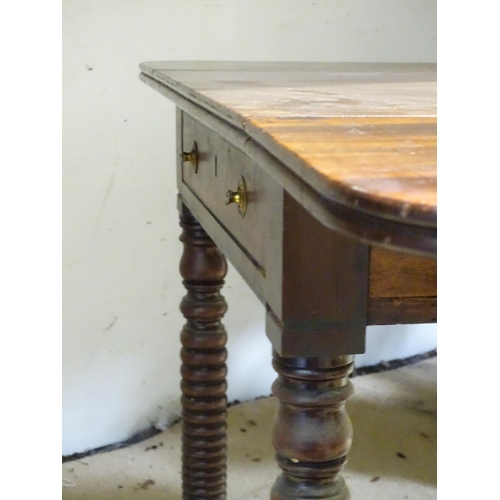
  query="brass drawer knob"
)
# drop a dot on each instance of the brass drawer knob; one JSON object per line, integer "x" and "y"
{"x": 239, "y": 197}
{"x": 191, "y": 157}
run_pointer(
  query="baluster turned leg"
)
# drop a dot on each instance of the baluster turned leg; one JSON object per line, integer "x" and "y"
{"x": 312, "y": 432}
{"x": 203, "y": 355}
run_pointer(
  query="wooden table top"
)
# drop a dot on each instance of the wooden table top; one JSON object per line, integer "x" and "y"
{"x": 362, "y": 135}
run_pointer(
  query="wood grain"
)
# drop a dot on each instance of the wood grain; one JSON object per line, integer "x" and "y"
{"x": 363, "y": 135}
{"x": 402, "y": 288}
{"x": 393, "y": 274}
{"x": 402, "y": 310}
{"x": 374, "y": 164}
{"x": 349, "y": 221}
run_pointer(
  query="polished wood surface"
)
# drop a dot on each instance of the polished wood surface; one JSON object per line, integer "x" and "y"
{"x": 363, "y": 135}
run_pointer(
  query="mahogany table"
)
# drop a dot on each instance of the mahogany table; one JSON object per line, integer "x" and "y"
{"x": 318, "y": 182}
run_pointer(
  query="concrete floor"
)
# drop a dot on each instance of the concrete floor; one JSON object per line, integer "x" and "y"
{"x": 393, "y": 455}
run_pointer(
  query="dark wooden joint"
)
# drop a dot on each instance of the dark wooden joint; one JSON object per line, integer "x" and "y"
{"x": 317, "y": 297}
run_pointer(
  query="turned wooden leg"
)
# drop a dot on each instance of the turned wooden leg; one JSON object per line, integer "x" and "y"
{"x": 312, "y": 432}
{"x": 203, "y": 355}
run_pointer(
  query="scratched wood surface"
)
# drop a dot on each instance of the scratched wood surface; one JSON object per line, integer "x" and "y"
{"x": 360, "y": 134}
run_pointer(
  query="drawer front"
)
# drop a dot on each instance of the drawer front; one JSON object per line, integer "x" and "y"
{"x": 220, "y": 168}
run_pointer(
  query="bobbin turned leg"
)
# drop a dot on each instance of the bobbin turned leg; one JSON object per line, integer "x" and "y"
{"x": 312, "y": 432}
{"x": 203, "y": 355}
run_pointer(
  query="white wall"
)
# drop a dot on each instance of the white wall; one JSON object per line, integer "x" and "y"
{"x": 120, "y": 242}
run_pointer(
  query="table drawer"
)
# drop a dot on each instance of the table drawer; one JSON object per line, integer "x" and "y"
{"x": 221, "y": 168}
